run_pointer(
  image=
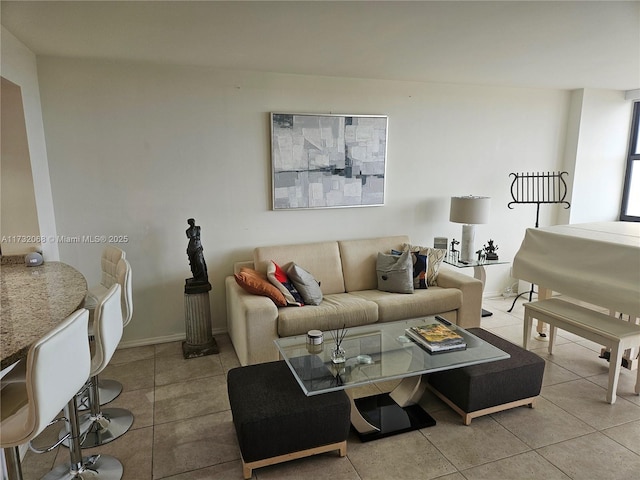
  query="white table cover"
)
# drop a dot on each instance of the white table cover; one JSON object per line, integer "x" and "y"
{"x": 598, "y": 263}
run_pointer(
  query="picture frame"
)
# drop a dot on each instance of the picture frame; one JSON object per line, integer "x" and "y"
{"x": 328, "y": 160}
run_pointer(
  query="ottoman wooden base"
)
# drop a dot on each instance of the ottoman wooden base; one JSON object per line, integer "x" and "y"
{"x": 276, "y": 422}
{"x": 247, "y": 468}
{"x": 468, "y": 416}
{"x": 491, "y": 387}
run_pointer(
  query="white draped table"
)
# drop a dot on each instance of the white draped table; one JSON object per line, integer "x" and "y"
{"x": 598, "y": 263}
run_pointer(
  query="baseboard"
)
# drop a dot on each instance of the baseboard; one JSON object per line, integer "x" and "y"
{"x": 178, "y": 337}
{"x": 492, "y": 294}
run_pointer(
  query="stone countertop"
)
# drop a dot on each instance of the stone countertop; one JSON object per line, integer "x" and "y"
{"x": 33, "y": 301}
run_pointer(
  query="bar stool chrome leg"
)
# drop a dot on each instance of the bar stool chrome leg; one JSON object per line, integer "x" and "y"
{"x": 12, "y": 462}
{"x": 101, "y": 426}
{"x": 95, "y": 467}
{"x": 109, "y": 391}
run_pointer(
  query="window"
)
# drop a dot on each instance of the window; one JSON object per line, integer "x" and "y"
{"x": 630, "y": 210}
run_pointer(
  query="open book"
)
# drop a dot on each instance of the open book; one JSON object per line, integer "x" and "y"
{"x": 436, "y": 338}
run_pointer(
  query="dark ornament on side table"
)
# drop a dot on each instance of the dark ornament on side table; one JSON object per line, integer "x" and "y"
{"x": 453, "y": 253}
{"x": 199, "y": 338}
{"x": 491, "y": 251}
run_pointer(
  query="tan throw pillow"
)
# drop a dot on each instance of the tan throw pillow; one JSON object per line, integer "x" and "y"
{"x": 436, "y": 256}
{"x": 252, "y": 282}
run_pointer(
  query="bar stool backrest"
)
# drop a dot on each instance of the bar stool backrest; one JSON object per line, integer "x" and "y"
{"x": 109, "y": 261}
{"x": 57, "y": 366}
{"x": 123, "y": 277}
{"x": 107, "y": 329}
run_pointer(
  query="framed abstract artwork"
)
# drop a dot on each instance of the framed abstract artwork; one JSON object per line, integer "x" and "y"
{"x": 328, "y": 161}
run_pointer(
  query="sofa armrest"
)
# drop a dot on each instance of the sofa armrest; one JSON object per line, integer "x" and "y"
{"x": 470, "y": 313}
{"x": 252, "y": 322}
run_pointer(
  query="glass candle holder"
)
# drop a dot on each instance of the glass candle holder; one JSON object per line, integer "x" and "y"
{"x": 338, "y": 355}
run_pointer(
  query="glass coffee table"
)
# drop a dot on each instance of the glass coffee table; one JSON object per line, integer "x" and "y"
{"x": 377, "y": 353}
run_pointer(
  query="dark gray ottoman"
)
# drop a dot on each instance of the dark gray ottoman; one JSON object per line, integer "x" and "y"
{"x": 275, "y": 421}
{"x": 491, "y": 387}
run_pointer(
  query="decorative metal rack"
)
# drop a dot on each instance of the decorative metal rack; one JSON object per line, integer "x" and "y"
{"x": 537, "y": 188}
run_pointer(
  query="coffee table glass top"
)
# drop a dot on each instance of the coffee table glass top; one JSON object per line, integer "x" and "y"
{"x": 375, "y": 353}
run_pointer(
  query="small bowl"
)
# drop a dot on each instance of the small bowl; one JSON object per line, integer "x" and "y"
{"x": 364, "y": 359}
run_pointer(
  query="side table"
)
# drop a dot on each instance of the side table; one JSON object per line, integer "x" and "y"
{"x": 478, "y": 271}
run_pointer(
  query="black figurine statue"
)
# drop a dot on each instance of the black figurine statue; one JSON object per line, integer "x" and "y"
{"x": 453, "y": 253}
{"x": 490, "y": 251}
{"x": 200, "y": 280}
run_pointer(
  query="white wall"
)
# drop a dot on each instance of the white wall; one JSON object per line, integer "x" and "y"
{"x": 18, "y": 212}
{"x": 596, "y": 154}
{"x": 19, "y": 66}
{"x": 136, "y": 149}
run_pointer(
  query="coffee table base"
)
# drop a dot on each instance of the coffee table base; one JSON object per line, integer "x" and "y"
{"x": 382, "y": 412}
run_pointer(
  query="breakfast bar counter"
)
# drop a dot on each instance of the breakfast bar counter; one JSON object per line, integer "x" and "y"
{"x": 34, "y": 300}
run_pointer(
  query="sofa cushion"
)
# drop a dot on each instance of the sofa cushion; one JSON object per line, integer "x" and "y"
{"x": 322, "y": 260}
{"x": 395, "y": 272}
{"x": 359, "y": 259}
{"x": 435, "y": 255}
{"x": 335, "y": 311}
{"x": 393, "y": 306}
{"x": 304, "y": 282}
{"x": 420, "y": 267}
{"x": 281, "y": 281}
{"x": 256, "y": 284}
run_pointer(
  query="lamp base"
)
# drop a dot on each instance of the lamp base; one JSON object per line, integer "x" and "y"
{"x": 466, "y": 246}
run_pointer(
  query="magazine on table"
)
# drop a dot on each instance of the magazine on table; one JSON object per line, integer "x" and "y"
{"x": 436, "y": 338}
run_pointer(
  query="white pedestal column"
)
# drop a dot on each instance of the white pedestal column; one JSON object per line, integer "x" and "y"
{"x": 466, "y": 248}
{"x": 197, "y": 316}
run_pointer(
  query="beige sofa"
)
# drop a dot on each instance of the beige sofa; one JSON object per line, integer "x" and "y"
{"x": 346, "y": 271}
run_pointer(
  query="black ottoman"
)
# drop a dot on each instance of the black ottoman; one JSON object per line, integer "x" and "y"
{"x": 491, "y": 387}
{"x": 275, "y": 421}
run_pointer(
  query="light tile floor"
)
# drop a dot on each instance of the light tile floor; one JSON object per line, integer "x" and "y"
{"x": 183, "y": 428}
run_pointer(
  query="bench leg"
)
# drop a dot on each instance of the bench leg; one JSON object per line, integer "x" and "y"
{"x": 552, "y": 338}
{"x": 527, "y": 327}
{"x": 614, "y": 371}
{"x": 543, "y": 294}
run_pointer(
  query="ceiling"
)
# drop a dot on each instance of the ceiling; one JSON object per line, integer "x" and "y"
{"x": 554, "y": 44}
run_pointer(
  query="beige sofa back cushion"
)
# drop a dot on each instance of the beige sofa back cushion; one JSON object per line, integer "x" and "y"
{"x": 322, "y": 260}
{"x": 359, "y": 259}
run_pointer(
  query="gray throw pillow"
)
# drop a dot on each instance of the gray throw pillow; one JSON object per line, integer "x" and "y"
{"x": 395, "y": 273}
{"x": 304, "y": 282}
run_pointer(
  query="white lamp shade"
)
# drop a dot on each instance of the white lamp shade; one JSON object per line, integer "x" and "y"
{"x": 470, "y": 210}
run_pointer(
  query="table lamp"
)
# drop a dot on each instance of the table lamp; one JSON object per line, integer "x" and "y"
{"x": 469, "y": 211}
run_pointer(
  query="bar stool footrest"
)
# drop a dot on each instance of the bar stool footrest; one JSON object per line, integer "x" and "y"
{"x": 105, "y": 467}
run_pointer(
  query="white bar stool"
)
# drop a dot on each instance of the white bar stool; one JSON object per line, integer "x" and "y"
{"x": 112, "y": 271}
{"x": 35, "y": 391}
{"x": 102, "y": 426}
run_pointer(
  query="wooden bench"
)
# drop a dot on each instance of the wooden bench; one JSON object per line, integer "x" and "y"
{"x": 598, "y": 327}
